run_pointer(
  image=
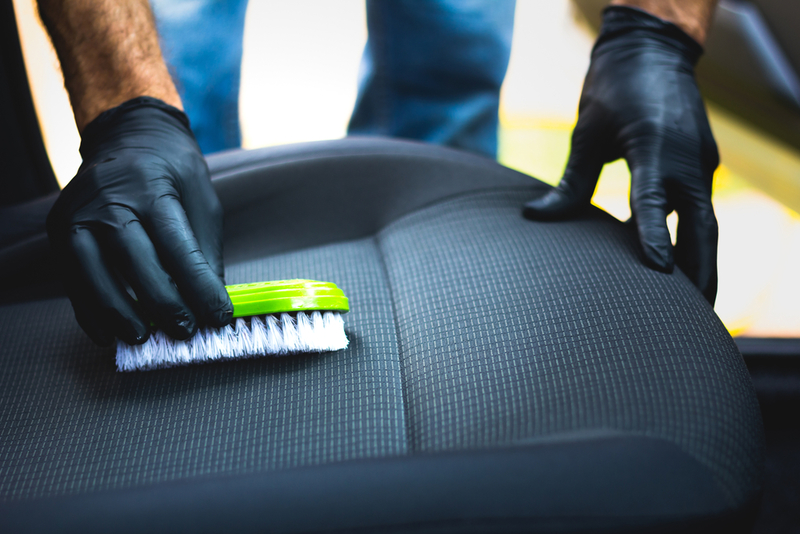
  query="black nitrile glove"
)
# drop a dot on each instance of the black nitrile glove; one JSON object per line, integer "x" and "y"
{"x": 141, "y": 211}
{"x": 640, "y": 101}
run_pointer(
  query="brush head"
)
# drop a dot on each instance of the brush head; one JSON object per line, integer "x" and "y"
{"x": 271, "y": 319}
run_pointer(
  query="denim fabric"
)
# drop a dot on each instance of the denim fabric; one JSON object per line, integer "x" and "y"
{"x": 431, "y": 70}
{"x": 202, "y": 43}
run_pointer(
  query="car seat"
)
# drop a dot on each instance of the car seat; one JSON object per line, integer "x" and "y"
{"x": 503, "y": 375}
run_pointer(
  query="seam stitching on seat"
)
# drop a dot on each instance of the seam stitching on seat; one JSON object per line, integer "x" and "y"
{"x": 488, "y": 190}
{"x": 403, "y": 389}
{"x": 373, "y": 232}
{"x": 359, "y": 153}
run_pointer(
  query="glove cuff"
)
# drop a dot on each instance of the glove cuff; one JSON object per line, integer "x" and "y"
{"x": 629, "y": 21}
{"x": 103, "y": 126}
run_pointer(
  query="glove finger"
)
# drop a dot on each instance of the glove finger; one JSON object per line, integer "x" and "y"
{"x": 77, "y": 291}
{"x": 136, "y": 259}
{"x": 696, "y": 246}
{"x": 577, "y": 185}
{"x": 87, "y": 321}
{"x": 198, "y": 283}
{"x": 204, "y": 212}
{"x": 114, "y": 310}
{"x": 650, "y": 209}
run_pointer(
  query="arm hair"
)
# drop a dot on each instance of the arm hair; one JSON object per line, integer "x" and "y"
{"x": 109, "y": 53}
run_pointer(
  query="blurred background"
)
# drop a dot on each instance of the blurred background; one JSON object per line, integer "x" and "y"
{"x": 299, "y": 74}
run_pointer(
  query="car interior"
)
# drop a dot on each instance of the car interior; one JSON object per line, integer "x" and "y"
{"x": 503, "y": 375}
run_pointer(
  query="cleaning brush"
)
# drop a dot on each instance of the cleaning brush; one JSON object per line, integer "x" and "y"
{"x": 270, "y": 318}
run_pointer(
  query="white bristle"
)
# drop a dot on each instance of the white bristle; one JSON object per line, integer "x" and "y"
{"x": 198, "y": 346}
{"x": 215, "y": 343}
{"x": 305, "y": 334}
{"x": 256, "y": 336}
{"x": 317, "y": 333}
{"x": 274, "y": 335}
{"x": 259, "y": 335}
{"x": 181, "y": 351}
{"x": 241, "y": 342}
{"x": 291, "y": 342}
{"x": 333, "y": 328}
{"x": 227, "y": 340}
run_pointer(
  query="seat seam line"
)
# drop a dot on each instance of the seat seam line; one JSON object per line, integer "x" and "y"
{"x": 246, "y": 166}
{"x": 403, "y": 389}
{"x": 487, "y": 190}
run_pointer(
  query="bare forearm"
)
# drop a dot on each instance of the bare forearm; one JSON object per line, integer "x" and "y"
{"x": 692, "y": 16}
{"x": 109, "y": 53}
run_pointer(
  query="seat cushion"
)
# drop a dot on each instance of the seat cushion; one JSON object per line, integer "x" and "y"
{"x": 503, "y": 374}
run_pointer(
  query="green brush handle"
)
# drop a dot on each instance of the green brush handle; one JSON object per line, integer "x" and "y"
{"x": 286, "y": 296}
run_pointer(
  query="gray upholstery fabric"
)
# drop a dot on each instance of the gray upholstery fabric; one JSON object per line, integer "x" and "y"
{"x": 512, "y": 331}
{"x": 471, "y": 329}
{"x": 71, "y": 424}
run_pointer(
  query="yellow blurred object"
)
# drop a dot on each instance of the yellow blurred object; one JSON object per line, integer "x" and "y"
{"x": 763, "y": 161}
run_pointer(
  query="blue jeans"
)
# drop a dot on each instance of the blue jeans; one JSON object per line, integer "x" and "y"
{"x": 202, "y": 44}
{"x": 431, "y": 69}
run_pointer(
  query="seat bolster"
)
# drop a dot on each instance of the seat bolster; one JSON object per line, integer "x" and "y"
{"x": 280, "y": 199}
{"x": 606, "y": 483}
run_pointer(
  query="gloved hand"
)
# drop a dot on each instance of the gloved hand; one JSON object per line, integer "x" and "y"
{"x": 141, "y": 211}
{"x": 640, "y": 101}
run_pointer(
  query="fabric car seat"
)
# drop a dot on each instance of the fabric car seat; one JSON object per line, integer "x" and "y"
{"x": 503, "y": 375}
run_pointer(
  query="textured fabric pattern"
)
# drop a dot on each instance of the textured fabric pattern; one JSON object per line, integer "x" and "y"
{"x": 69, "y": 423}
{"x": 470, "y": 328}
{"x": 511, "y": 331}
